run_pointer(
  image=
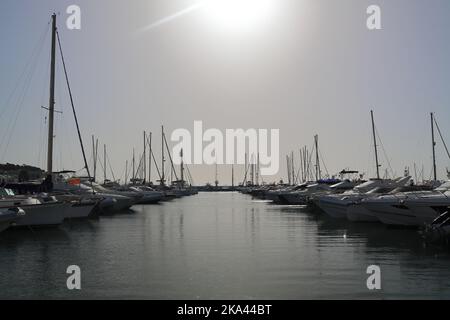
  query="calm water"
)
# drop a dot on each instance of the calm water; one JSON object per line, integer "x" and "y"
{"x": 221, "y": 246}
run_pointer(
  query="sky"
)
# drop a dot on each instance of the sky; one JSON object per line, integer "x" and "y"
{"x": 304, "y": 67}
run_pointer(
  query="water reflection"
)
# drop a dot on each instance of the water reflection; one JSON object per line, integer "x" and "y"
{"x": 221, "y": 246}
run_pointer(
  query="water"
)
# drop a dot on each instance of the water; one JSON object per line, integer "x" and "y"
{"x": 221, "y": 246}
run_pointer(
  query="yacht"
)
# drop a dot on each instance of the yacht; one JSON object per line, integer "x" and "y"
{"x": 411, "y": 209}
{"x": 38, "y": 214}
{"x": 149, "y": 196}
{"x": 337, "y": 205}
{"x": 109, "y": 202}
{"x": 309, "y": 192}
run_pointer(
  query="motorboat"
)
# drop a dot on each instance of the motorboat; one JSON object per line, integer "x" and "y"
{"x": 308, "y": 193}
{"x": 411, "y": 209}
{"x": 149, "y": 196}
{"x": 110, "y": 201}
{"x": 336, "y": 205}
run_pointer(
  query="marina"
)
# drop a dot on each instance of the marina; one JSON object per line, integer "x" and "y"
{"x": 217, "y": 214}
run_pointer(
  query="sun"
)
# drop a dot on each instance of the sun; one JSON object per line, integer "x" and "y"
{"x": 239, "y": 15}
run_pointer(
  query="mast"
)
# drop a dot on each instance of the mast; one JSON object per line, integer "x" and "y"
{"x": 145, "y": 157}
{"x": 104, "y": 163}
{"x": 51, "y": 103}
{"x": 126, "y": 172}
{"x": 252, "y": 172}
{"x": 216, "y": 181}
{"x": 163, "y": 174}
{"x": 150, "y": 158}
{"x": 232, "y": 175}
{"x": 182, "y": 168}
{"x": 246, "y": 169}
{"x": 288, "y": 169}
{"x": 257, "y": 169}
{"x": 318, "y": 173}
{"x": 94, "y": 156}
{"x": 434, "y": 147}
{"x": 292, "y": 168}
{"x": 375, "y": 144}
{"x": 173, "y": 172}
{"x": 134, "y": 163}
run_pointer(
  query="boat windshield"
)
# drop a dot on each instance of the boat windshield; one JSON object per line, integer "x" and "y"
{"x": 4, "y": 192}
{"x": 444, "y": 187}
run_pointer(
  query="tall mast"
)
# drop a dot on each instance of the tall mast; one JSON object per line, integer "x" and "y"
{"x": 434, "y": 147}
{"x": 182, "y": 168}
{"x": 257, "y": 169}
{"x": 292, "y": 168}
{"x": 318, "y": 173}
{"x": 126, "y": 171}
{"x": 288, "y": 169}
{"x": 163, "y": 174}
{"x": 51, "y": 103}
{"x": 94, "y": 156}
{"x": 246, "y": 169}
{"x": 375, "y": 145}
{"x": 134, "y": 173}
{"x": 145, "y": 157}
{"x": 150, "y": 158}
{"x": 104, "y": 163}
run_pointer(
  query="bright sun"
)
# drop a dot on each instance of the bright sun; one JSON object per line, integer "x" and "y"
{"x": 238, "y": 15}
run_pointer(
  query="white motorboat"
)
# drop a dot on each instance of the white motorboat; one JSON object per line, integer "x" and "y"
{"x": 37, "y": 212}
{"x": 412, "y": 209}
{"x": 274, "y": 195}
{"x": 301, "y": 197}
{"x": 309, "y": 192}
{"x": 110, "y": 201}
{"x": 149, "y": 196}
{"x": 336, "y": 205}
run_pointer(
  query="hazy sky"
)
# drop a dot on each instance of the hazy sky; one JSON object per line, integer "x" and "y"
{"x": 308, "y": 67}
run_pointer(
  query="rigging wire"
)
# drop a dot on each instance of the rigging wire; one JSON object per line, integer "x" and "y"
{"x": 37, "y": 48}
{"x": 323, "y": 162}
{"x": 442, "y": 138}
{"x": 20, "y": 102}
{"x": 110, "y": 167}
{"x": 73, "y": 107}
{"x": 384, "y": 152}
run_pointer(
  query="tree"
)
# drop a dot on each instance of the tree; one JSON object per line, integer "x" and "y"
{"x": 24, "y": 175}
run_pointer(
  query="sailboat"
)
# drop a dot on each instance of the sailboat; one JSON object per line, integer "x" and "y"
{"x": 45, "y": 210}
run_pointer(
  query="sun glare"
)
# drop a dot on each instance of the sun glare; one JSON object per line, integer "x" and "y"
{"x": 239, "y": 15}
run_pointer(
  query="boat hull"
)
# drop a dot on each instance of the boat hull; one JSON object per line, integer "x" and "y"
{"x": 357, "y": 213}
{"x": 42, "y": 215}
{"x": 398, "y": 215}
{"x": 334, "y": 208}
{"x": 80, "y": 210}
